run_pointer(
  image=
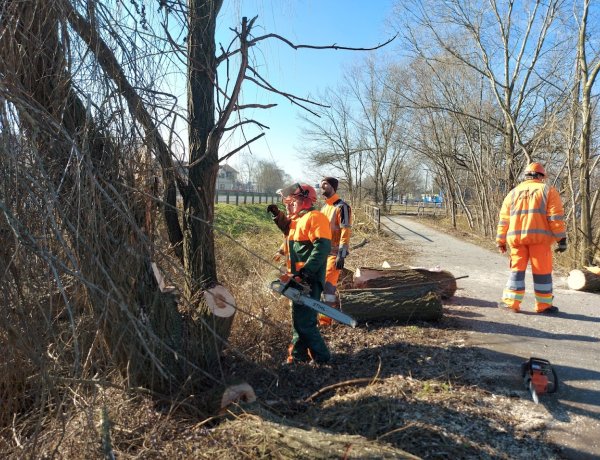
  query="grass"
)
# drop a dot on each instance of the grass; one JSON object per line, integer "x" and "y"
{"x": 243, "y": 219}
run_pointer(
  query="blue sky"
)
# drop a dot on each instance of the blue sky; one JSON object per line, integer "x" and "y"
{"x": 353, "y": 23}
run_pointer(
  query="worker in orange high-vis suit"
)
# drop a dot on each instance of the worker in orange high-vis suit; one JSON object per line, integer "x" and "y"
{"x": 339, "y": 214}
{"x": 307, "y": 244}
{"x": 531, "y": 221}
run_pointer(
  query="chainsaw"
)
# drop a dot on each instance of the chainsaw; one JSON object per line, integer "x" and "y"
{"x": 297, "y": 292}
{"x": 539, "y": 377}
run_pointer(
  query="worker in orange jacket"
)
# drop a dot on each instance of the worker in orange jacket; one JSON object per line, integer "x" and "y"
{"x": 307, "y": 244}
{"x": 531, "y": 220}
{"x": 339, "y": 214}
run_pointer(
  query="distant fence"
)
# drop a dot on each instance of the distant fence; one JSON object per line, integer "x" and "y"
{"x": 374, "y": 214}
{"x": 418, "y": 208}
{"x": 237, "y": 197}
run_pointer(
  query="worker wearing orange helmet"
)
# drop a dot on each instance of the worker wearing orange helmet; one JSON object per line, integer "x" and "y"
{"x": 531, "y": 220}
{"x": 307, "y": 244}
{"x": 339, "y": 214}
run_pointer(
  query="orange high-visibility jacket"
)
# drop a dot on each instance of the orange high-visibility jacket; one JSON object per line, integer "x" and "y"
{"x": 339, "y": 214}
{"x": 532, "y": 213}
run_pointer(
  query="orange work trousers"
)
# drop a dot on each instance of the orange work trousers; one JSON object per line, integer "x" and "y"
{"x": 332, "y": 275}
{"x": 540, "y": 256}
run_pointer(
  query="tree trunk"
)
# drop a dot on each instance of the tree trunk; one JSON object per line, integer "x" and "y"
{"x": 587, "y": 279}
{"x": 441, "y": 282}
{"x": 150, "y": 340}
{"x": 405, "y": 304}
{"x": 288, "y": 439}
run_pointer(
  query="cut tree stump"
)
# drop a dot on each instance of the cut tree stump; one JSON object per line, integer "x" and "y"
{"x": 440, "y": 281}
{"x": 586, "y": 279}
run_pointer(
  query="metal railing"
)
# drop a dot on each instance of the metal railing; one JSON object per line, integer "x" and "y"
{"x": 238, "y": 197}
{"x": 374, "y": 214}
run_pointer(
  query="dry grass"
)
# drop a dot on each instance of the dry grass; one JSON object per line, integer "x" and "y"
{"x": 393, "y": 386}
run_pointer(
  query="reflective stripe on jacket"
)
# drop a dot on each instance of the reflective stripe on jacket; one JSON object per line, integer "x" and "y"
{"x": 532, "y": 213}
{"x": 339, "y": 214}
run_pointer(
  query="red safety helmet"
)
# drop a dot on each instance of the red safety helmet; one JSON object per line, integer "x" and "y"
{"x": 535, "y": 168}
{"x": 299, "y": 190}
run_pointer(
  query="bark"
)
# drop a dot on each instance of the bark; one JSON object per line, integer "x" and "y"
{"x": 441, "y": 282}
{"x": 150, "y": 340}
{"x": 378, "y": 304}
{"x": 586, "y": 279}
{"x": 284, "y": 438}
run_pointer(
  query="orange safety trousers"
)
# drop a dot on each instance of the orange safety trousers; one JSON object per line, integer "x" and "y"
{"x": 540, "y": 256}
{"x": 332, "y": 275}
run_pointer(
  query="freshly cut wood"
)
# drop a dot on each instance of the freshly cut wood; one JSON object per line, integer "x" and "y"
{"x": 217, "y": 400}
{"x": 406, "y": 304}
{"x": 584, "y": 279}
{"x": 220, "y": 301}
{"x": 440, "y": 281}
{"x": 594, "y": 269}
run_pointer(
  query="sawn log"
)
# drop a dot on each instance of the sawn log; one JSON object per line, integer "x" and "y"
{"x": 410, "y": 304}
{"x": 440, "y": 281}
{"x": 586, "y": 279}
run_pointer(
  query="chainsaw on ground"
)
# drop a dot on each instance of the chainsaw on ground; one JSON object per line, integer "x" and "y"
{"x": 539, "y": 377}
{"x": 288, "y": 286}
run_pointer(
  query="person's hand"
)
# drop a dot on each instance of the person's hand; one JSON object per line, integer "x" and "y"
{"x": 303, "y": 282}
{"x": 273, "y": 209}
{"x": 562, "y": 245}
{"x": 501, "y": 247}
{"x": 339, "y": 262}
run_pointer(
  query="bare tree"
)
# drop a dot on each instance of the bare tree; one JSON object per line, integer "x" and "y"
{"x": 333, "y": 140}
{"x": 269, "y": 177}
{"x": 502, "y": 44}
{"x": 380, "y": 120}
{"x": 77, "y": 93}
{"x": 588, "y": 72}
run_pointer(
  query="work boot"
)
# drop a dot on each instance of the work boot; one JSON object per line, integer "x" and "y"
{"x": 550, "y": 310}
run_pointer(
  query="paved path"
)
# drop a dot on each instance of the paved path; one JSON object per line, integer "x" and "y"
{"x": 569, "y": 340}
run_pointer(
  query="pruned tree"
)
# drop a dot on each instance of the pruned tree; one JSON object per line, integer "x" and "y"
{"x": 78, "y": 97}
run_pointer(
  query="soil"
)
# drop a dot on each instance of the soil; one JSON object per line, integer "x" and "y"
{"x": 420, "y": 387}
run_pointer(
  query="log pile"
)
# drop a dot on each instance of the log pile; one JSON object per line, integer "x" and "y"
{"x": 586, "y": 279}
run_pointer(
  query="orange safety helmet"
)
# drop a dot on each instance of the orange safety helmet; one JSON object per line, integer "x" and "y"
{"x": 535, "y": 168}
{"x": 299, "y": 190}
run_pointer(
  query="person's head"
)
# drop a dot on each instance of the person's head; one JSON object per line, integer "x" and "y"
{"x": 329, "y": 186}
{"x": 297, "y": 197}
{"x": 535, "y": 171}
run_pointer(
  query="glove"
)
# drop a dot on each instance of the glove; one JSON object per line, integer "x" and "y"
{"x": 501, "y": 247}
{"x": 306, "y": 276}
{"x": 273, "y": 209}
{"x": 341, "y": 255}
{"x": 562, "y": 245}
{"x": 304, "y": 282}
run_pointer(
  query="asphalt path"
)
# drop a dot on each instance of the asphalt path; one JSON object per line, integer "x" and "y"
{"x": 570, "y": 340}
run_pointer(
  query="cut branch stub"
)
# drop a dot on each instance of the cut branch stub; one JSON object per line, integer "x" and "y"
{"x": 220, "y": 301}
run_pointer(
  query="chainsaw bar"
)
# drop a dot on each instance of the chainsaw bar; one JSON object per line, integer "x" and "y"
{"x": 297, "y": 296}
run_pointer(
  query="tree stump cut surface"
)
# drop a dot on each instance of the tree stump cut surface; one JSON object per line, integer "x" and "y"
{"x": 586, "y": 279}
